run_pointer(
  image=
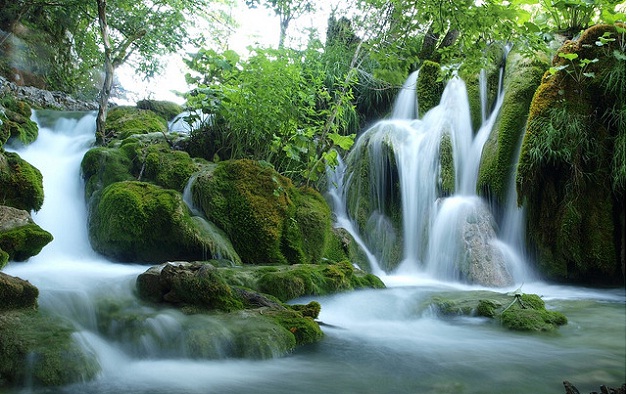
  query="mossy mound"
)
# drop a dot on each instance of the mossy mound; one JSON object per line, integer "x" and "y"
{"x": 199, "y": 288}
{"x": 123, "y": 122}
{"x": 166, "y": 109}
{"x": 136, "y": 159}
{"x": 142, "y": 222}
{"x": 16, "y": 293}
{"x": 23, "y": 242}
{"x": 21, "y": 184}
{"x": 499, "y": 153}
{"x": 570, "y": 174}
{"x": 290, "y": 282}
{"x": 268, "y": 219}
{"x": 15, "y": 122}
{"x": 40, "y": 349}
{"x": 514, "y": 311}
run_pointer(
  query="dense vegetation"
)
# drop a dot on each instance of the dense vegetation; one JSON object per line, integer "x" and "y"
{"x": 295, "y": 107}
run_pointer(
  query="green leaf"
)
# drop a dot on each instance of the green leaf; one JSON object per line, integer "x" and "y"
{"x": 345, "y": 142}
{"x": 568, "y": 56}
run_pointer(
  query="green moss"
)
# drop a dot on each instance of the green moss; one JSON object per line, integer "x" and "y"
{"x": 304, "y": 329}
{"x": 23, "y": 242}
{"x": 208, "y": 291}
{"x": 123, "y": 122}
{"x": 41, "y": 348}
{"x": 126, "y": 212}
{"x": 566, "y": 172}
{"x": 20, "y": 183}
{"x": 429, "y": 88}
{"x": 314, "y": 221}
{"x": 310, "y": 279}
{"x": 4, "y": 258}
{"x": 168, "y": 168}
{"x": 446, "y": 178}
{"x": 522, "y": 80}
{"x": 166, "y": 109}
{"x": 16, "y": 121}
{"x": 16, "y": 293}
{"x": 103, "y": 166}
{"x": 251, "y": 203}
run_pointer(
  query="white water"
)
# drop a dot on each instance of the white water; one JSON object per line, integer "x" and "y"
{"x": 378, "y": 341}
{"x": 430, "y": 225}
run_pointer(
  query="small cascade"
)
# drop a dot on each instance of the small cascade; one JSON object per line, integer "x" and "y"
{"x": 448, "y": 238}
{"x": 337, "y": 195}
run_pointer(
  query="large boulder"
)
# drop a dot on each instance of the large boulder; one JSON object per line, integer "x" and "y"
{"x": 465, "y": 238}
{"x": 16, "y": 293}
{"x": 140, "y": 222}
{"x": 20, "y": 236}
{"x": 269, "y": 220}
{"x": 21, "y": 184}
{"x": 125, "y": 121}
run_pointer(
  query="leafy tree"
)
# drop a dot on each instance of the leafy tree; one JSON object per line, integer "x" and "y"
{"x": 286, "y": 10}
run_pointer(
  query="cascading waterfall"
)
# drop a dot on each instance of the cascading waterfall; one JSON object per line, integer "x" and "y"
{"x": 436, "y": 230}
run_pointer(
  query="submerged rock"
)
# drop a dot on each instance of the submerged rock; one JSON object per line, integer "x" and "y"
{"x": 515, "y": 311}
{"x": 201, "y": 288}
{"x": 42, "y": 351}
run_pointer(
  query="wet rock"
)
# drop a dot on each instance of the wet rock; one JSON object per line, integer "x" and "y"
{"x": 20, "y": 236}
{"x": 16, "y": 293}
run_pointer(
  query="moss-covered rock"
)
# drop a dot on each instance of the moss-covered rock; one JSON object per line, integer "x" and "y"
{"x": 522, "y": 78}
{"x": 567, "y": 169}
{"x": 166, "y": 109}
{"x": 21, "y": 184}
{"x": 268, "y": 220}
{"x": 514, "y": 311}
{"x": 137, "y": 221}
{"x": 16, "y": 293}
{"x": 20, "y": 237}
{"x": 289, "y": 282}
{"x": 15, "y": 122}
{"x": 123, "y": 122}
{"x": 137, "y": 158}
{"x": 429, "y": 88}
{"x": 41, "y": 350}
{"x": 200, "y": 288}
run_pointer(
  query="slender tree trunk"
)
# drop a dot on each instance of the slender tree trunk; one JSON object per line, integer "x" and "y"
{"x": 109, "y": 74}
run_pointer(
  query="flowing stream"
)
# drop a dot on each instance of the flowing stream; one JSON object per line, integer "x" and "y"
{"x": 377, "y": 341}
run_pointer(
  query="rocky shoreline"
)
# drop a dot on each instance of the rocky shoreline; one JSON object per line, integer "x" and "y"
{"x": 40, "y": 98}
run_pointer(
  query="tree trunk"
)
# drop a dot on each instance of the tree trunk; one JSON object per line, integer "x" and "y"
{"x": 109, "y": 74}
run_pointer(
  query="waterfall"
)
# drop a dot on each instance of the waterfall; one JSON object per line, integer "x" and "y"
{"x": 441, "y": 236}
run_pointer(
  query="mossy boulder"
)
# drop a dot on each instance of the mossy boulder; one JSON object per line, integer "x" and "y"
{"x": 16, "y": 293}
{"x": 142, "y": 222}
{"x": 166, "y": 109}
{"x": 269, "y": 220}
{"x": 569, "y": 170}
{"x": 41, "y": 350}
{"x": 515, "y": 311}
{"x": 125, "y": 121}
{"x": 289, "y": 282}
{"x": 500, "y": 151}
{"x": 199, "y": 288}
{"x": 20, "y": 237}
{"x": 21, "y": 184}
{"x": 136, "y": 158}
{"x": 15, "y": 122}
